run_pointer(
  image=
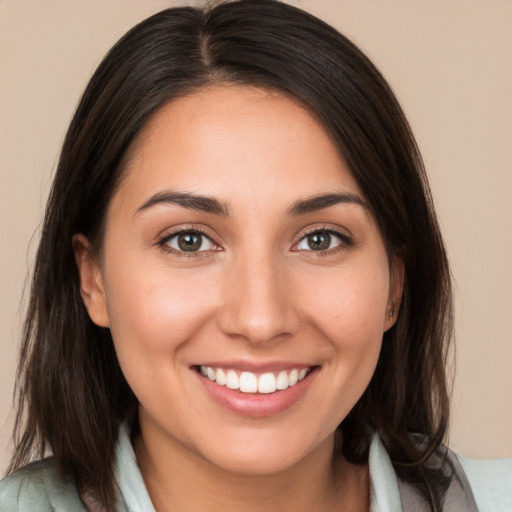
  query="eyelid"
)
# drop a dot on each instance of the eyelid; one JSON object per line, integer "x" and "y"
{"x": 343, "y": 234}
{"x": 163, "y": 239}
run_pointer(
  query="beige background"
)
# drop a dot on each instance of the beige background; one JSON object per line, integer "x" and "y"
{"x": 450, "y": 64}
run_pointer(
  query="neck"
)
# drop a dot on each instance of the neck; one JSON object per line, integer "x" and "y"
{"x": 178, "y": 479}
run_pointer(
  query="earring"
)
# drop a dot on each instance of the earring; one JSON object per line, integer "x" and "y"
{"x": 391, "y": 312}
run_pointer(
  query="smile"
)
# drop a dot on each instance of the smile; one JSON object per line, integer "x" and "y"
{"x": 249, "y": 382}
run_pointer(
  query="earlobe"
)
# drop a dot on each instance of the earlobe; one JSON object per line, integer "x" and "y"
{"x": 396, "y": 288}
{"x": 91, "y": 281}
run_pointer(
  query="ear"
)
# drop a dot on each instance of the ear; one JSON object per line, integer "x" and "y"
{"x": 91, "y": 281}
{"x": 396, "y": 288}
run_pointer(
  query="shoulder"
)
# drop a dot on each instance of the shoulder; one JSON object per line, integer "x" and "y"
{"x": 39, "y": 488}
{"x": 491, "y": 483}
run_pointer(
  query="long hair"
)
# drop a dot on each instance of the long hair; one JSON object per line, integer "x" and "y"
{"x": 72, "y": 396}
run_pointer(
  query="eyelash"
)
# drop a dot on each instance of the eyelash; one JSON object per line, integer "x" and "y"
{"x": 346, "y": 241}
{"x": 164, "y": 240}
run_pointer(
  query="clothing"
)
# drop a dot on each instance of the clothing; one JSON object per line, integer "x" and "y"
{"x": 40, "y": 488}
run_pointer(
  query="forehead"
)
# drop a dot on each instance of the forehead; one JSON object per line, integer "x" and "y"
{"x": 233, "y": 140}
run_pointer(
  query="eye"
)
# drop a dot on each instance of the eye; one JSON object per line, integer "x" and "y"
{"x": 188, "y": 241}
{"x": 321, "y": 240}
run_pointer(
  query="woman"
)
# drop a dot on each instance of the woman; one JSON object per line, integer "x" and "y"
{"x": 241, "y": 298}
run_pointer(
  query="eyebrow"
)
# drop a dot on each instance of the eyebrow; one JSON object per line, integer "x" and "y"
{"x": 187, "y": 200}
{"x": 216, "y": 207}
{"x": 320, "y": 202}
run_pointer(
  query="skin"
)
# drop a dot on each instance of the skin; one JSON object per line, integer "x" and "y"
{"x": 257, "y": 292}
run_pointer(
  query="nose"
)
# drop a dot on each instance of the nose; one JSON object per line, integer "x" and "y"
{"x": 258, "y": 302}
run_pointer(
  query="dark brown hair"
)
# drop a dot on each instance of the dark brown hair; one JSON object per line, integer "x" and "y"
{"x": 71, "y": 393}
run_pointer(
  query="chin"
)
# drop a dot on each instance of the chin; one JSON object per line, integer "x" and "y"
{"x": 265, "y": 456}
{"x": 265, "y": 462}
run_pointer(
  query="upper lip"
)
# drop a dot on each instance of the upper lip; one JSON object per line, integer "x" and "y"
{"x": 257, "y": 366}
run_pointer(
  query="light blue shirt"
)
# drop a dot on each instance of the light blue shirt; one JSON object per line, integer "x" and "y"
{"x": 40, "y": 488}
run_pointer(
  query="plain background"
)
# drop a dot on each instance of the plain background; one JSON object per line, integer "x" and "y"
{"x": 450, "y": 64}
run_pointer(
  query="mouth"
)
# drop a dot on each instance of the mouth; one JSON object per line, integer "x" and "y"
{"x": 262, "y": 392}
{"x": 251, "y": 382}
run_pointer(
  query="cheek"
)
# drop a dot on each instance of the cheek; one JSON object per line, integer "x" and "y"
{"x": 154, "y": 314}
{"x": 350, "y": 306}
{"x": 349, "y": 310}
{"x": 155, "y": 307}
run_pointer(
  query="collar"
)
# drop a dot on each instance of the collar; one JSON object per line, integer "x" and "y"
{"x": 384, "y": 490}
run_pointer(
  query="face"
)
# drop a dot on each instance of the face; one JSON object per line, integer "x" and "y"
{"x": 245, "y": 283}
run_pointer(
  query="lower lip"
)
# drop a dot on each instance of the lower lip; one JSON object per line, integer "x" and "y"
{"x": 257, "y": 405}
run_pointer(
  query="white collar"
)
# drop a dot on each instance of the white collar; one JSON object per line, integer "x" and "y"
{"x": 384, "y": 491}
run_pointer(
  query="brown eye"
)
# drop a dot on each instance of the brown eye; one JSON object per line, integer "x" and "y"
{"x": 322, "y": 240}
{"x": 189, "y": 241}
{"x": 319, "y": 241}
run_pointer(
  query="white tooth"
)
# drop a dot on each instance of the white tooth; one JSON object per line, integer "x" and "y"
{"x": 220, "y": 377}
{"x": 267, "y": 383}
{"x": 282, "y": 380}
{"x": 232, "y": 381}
{"x": 293, "y": 377}
{"x": 302, "y": 373}
{"x": 248, "y": 382}
{"x": 203, "y": 370}
{"x": 211, "y": 373}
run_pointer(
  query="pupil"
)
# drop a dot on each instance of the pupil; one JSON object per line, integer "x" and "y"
{"x": 189, "y": 241}
{"x": 319, "y": 241}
